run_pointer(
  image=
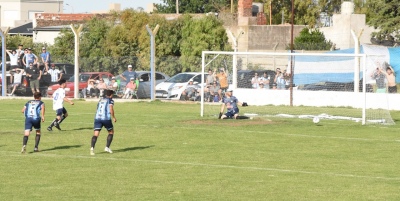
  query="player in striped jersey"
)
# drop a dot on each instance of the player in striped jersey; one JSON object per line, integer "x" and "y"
{"x": 34, "y": 113}
{"x": 104, "y": 117}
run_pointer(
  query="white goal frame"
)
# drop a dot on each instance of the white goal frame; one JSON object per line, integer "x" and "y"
{"x": 357, "y": 67}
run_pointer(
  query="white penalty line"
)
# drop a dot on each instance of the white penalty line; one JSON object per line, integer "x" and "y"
{"x": 208, "y": 165}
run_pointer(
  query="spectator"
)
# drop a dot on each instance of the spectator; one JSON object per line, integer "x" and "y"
{"x": 29, "y": 58}
{"x": 379, "y": 77}
{"x": 34, "y": 75}
{"x": 274, "y": 86}
{"x": 55, "y": 74}
{"x": 113, "y": 85}
{"x": 128, "y": 74}
{"x": 391, "y": 79}
{"x": 265, "y": 80}
{"x": 280, "y": 79}
{"x": 91, "y": 89}
{"x": 214, "y": 91}
{"x": 20, "y": 53}
{"x": 211, "y": 77}
{"x": 17, "y": 81}
{"x": 101, "y": 86}
{"x": 223, "y": 81}
{"x": 190, "y": 91}
{"x": 13, "y": 61}
{"x": 45, "y": 56}
{"x": 129, "y": 89}
{"x": 255, "y": 81}
{"x": 261, "y": 86}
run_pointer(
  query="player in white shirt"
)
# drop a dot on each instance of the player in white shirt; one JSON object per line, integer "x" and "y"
{"x": 58, "y": 105}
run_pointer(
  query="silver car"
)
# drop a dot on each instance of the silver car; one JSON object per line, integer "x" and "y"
{"x": 144, "y": 90}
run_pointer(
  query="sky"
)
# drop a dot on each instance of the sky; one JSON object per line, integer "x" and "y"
{"x": 86, "y": 6}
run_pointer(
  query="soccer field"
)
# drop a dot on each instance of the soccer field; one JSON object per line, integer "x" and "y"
{"x": 166, "y": 151}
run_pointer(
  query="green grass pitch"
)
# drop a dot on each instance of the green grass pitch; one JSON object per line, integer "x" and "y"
{"x": 166, "y": 151}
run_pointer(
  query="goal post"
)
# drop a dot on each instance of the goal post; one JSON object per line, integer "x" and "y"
{"x": 325, "y": 85}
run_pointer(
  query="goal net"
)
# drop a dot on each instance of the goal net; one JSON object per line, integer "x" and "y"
{"x": 323, "y": 85}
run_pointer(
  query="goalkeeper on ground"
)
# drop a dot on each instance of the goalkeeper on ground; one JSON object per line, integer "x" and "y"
{"x": 231, "y": 103}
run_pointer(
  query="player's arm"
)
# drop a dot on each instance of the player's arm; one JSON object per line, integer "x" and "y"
{"x": 69, "y": 101}
{"x": 43, "y": 111}
{"x": 23, "y": 109}
{"x": 122, "y": 76}
{"x": 112, "y": 112}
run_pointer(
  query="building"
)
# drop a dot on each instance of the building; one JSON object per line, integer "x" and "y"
{"x": 14, "y": 13}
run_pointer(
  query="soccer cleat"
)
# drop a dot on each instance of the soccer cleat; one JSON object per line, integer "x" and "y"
{"x": 49, "y": 128}
{"x": 35, "y": 149}
{"x": 57, "y": 125}
{"x": 23, "y": 150}
{"x": 108, "y": 150}
{"x": 92, "y": 151}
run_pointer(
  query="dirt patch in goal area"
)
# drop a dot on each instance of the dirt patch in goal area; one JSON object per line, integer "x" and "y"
{"x": 232, "y": 122}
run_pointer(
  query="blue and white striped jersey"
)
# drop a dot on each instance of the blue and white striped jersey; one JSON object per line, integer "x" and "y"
{"x": 33, "y": 109}
{"x": 103, "y": 109}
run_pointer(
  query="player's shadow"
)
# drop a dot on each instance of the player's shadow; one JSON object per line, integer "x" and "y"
{"x": 62, "y": 147}
{"x": 132, "y": 149}
{"x": 79, "y": 129}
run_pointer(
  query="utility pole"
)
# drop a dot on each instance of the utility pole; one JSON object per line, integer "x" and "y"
{"x": 177, "y": 6}
{"x": 152, "y": 59}
{"x": 292, "y": 57}
{"x": 76, "y": 73}
{"x": 3, "y": 60}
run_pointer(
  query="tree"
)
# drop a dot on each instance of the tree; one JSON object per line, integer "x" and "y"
{"x": 198, "y": 35}
{"x": 311, "y": 40}
{"x": 193, "y": 6}
{"x": 64, "y": 46}
{"x": 384, "y": 15}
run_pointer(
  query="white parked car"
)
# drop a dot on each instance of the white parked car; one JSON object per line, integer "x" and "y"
{"x": 173, "y": 87}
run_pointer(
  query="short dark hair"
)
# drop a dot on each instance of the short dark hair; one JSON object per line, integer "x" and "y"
{"x": 37, "y": 95}
{"x": 62, "y": 81}
{"x": 109, "y": 92}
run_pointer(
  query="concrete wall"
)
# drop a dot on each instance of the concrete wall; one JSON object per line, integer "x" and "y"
{"x": 45, "y": 37}
{"x": 265, "y": 37}
{"x": 340, "y": 32}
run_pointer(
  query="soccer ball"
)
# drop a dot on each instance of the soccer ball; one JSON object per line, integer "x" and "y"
{"x": 315, "y": 120}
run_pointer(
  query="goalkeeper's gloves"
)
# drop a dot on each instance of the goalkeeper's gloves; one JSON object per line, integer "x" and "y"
{"x": 220, "y": 115}
{"x": 244, "y": 104}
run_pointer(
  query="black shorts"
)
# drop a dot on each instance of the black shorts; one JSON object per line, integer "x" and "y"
{"x": 392, "y": 89}
{"x": 14, "y": 67}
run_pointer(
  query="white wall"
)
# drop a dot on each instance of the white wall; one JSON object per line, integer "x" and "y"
{"x": 24, "y": 10}
{"x": 45, "y": 37}
{"x": 318, "y": 98}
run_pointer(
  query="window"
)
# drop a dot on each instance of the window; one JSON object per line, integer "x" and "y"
{"x": 197, "y": 79}
{"x": 144, "y": 77}
{"x": 159, "y": 76}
